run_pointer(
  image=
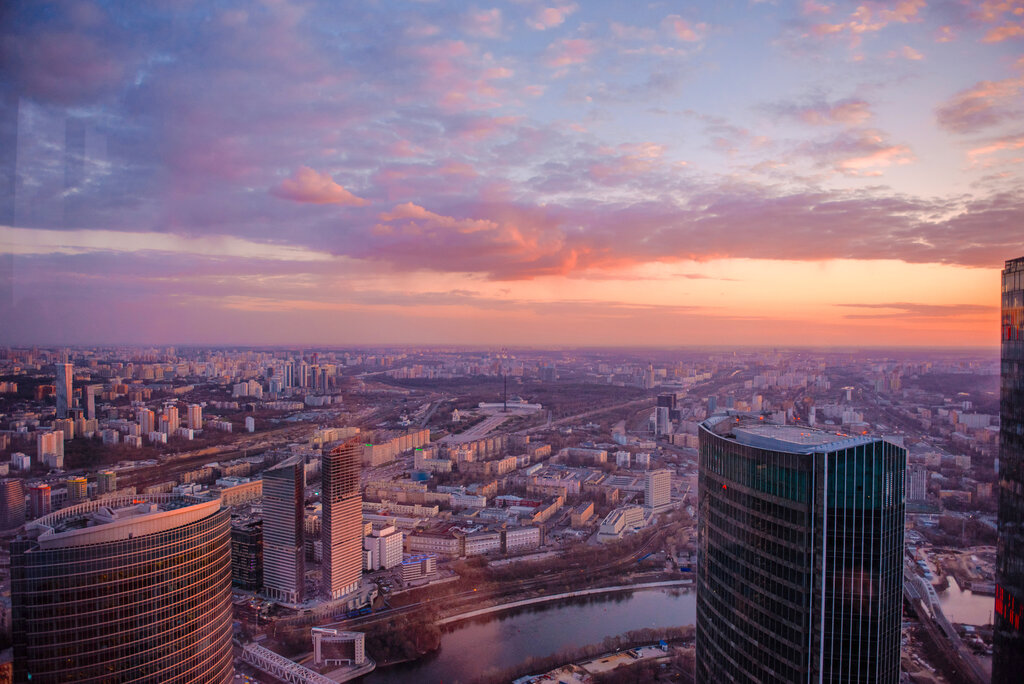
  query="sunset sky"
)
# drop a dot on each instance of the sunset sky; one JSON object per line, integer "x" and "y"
{"x": 590, "y": 173}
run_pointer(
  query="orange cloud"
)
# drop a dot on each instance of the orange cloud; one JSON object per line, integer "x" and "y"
{"x": 1009, "y": 14}
{"x": 906, "y": 52}
{"x": 309, "y": 186}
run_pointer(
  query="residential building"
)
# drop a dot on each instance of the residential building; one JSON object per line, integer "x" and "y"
{"x": 12, "y": 504}
{"x": 342, "y": 522}
{"x": 657, "y": 489}
{"x": 39, "y": 501}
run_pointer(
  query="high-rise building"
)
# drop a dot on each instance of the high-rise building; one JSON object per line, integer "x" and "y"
{"x": 147, "y": 420}
{"x": 917, "y": 483}
{"x": 1008, "y": 640}
{"x": 106, "y": 482}
{"x": 12, "y": 504}
{"x": 247, "y": 554}
{"x": 65, "y": 374}
{"x": 195, "y": 417}
{"x": 38, "y": 501}
{"x": 78, "y": 488}
{"x": 118, "y": 590}
{"x": 90, "y": 402}
{"x": 658, "y": 489}
{"x": 284, "y": 565}
{"x": 341, "y": 530}
{"x": 173, "y": 421}
{"x": 800, "y": 554}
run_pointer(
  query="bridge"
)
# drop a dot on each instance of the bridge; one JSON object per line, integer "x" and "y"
{"x": 293, "y": 673}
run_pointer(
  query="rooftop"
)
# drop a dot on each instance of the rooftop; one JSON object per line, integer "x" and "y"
{"x": 119, "y": 518}
{"x": 794, "y": 439}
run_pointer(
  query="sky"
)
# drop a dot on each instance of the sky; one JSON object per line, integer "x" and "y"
{"x": 519, "y": 173}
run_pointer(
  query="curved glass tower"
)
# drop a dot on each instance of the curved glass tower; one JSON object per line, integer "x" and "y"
{"x": 800, "y": 547}
{"x": 126, "y": 590}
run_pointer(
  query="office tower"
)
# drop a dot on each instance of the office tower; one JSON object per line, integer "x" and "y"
{"x": 1008, "y": 640}
{"x": 147, "y": 420}
{"x": 247, "y": 554}
{"x": 106, "y": 482}
{"x": 342, "y": 527}
{"x": 118, "y": 590}
{"x": 78, "y": 488}
{"x": 12, "y": 504}
{"x": 658, "y": 489}
{"x": 284, "y": 569}
{"x": 65, "y": 373}
{"x": 195, "y": 417}
{"x": 90, "y": 402}
{"x": 800, "y": 554}
{"x": 38, "y": 501}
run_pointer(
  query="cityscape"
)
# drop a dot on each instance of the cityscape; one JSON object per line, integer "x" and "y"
{"x": 516, "y": 342}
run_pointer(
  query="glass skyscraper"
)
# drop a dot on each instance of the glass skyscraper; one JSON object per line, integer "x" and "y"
{"x": 342, "y": 528}
{"x": 800, "y": 554}
{"x": 1008, "y": 658}
{"x": 131, "y": 589}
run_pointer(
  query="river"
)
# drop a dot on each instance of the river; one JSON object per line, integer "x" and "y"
{"x": 502, "y": 640}
{"x": 960, "y": 605}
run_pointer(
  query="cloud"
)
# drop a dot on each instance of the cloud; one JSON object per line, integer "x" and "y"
{"x": 906, "y": 52}
{"x": 910, "y": 310}
{"x": 857, "y": 152}
{"x": 569, "y": 51}
{"x": 870, "y": 17}
{"x": 550, "y": 17}
{"x": 483, "y": 23}
{"x": 1007, "y": 17}
{"x": 683, "y": 30}
{"x": 983, "y": 105}
{"x": 311, "y": 187}
{"x": 848, "y": 112}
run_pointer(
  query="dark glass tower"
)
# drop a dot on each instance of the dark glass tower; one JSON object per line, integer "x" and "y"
{"x": 800, "y": 547}
{"x": 1008, "y": 659}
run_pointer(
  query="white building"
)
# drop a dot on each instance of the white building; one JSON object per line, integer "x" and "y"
{"x": 383, "y": 548}
{"x": 658, "y": 489}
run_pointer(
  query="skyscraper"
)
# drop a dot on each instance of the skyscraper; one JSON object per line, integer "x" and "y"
{"x": 1008, "y": 656}
{"x": 118, "y": 590}
{"x": 12, "y": 504}
{"x": 800, "y": 548}
{"x": 195, "y": 417}
{"x": 284, "y": 563}
{"x": 65, "y": 374}
{"x": 90, "y": 402}
{"x": 341, "y": 529}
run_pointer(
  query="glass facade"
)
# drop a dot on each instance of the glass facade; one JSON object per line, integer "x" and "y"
{"x": 1008, "y": 658}
{"x": 800, "y": 561}
{"x": 149, "y": 608}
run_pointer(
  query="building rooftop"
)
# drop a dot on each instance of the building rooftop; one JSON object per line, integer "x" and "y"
{"x": 794, "y": 439}
{"x": 115, "y": 519}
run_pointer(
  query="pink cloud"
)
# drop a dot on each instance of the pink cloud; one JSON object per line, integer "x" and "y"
{"x": 985, "y": 104}
{"x": 870, "y": 17}
{"x": 683, "y": 29}
{"x": 1007, "y": 144}
{"x": 906, "y": 52}
{"x": 1007, "y": 14}
{"x": 549, "y": 17}
{"x": 569, "y": 51}
{"x": 850, "y": 112}
{"x": 483, "y": 23}
{"x": 625, "y": 32}
{"x": 311, "y": 187}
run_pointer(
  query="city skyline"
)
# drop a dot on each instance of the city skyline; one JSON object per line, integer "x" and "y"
{"x": 509, "y": 173}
